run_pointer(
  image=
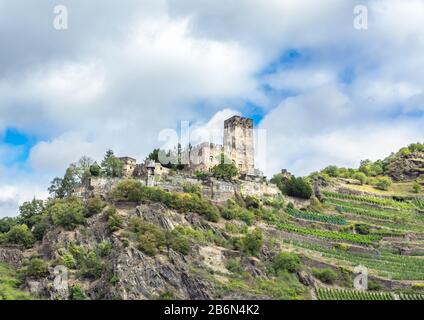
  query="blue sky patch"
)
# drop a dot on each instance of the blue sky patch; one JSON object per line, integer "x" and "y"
{"x": 23, "y": 142}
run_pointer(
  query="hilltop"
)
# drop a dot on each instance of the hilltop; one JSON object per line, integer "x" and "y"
{"x": 197, "y": 235}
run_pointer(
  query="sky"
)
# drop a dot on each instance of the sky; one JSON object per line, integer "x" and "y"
{"x": 324, "y": 91}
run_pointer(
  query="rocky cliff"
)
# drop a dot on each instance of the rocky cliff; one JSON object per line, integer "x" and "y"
{"x": 407, "y": 167}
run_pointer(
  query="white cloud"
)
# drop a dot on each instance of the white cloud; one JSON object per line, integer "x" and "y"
{"x": 311, "y": 131}
{"x": 213, "y": 130}
{"x": 116, "y": 82}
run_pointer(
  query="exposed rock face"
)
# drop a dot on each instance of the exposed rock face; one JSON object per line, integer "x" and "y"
{"x": 407, "y": 167}
{"x": 11, "y": 256}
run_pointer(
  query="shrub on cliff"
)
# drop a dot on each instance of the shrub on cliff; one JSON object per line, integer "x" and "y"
{"x": 67, "y": 213}
{"x": 20, "y": 235}
{"x": 87, "y": 261}
{"x": 252, "y": 243}
{"x": 286, "y": 262}
{"x": 128, "y": 190}
{"x": 325, "y": 275}
{"x": 95, "y": 205}
{"x": 132, "y": 190}
{"x": 114, "y": 221}
{"x": 151, "y": 239}
{"x": 36, "y": 268}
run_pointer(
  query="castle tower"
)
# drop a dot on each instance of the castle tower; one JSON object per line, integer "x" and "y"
{"x": 238, "y": 143}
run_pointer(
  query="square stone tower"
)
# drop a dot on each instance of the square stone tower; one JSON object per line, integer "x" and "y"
{"x": 238, "y": 143}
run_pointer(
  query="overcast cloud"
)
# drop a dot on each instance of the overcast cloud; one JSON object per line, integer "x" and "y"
{"x": 123, "y": 71}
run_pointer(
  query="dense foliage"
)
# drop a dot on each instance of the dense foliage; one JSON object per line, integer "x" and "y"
{"x": 295, "y": 187}
{"x": 132, "y": 190}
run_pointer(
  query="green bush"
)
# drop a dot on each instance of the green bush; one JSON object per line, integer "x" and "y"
{"x": 6, "y": 224}
{"x": 298, "y": 187}
{"x": 178, "y": 241}
{"x": 150, "y": 238}
{"x": 361, "y": 177}
{"x": 30, "y": 212}
{"x": 234, "y": 266}
{"x": 114, "y": 221}
{"x": 67, "y": 213}
{"x": 201, "y": 175}
{"x": 36, "y": 268}
{"x": 95, "y": 205}
{"x": 247, "y": 216}
{"x": 9, "y": 285}
{"x": 384, "y": 183}
{"x": 128, "y": 190}
{"x": 231, "y": 210}
{"x": 295, "y": 187}
{"x": 325, "y": 275}
{"x": 416, "y": 188}
{"x": 88, "y": 262}
{"x": 253, "y": 242}
{"x": 362, "y": 228}
{"x": 374, "y": 285}
{"x": 332, "y": 171}
{"x": 252, "y": 202}
{"x": 104, "y": 248}
{"x": 276, "y": 202}
{"x": 192, "y": 188}
{"x": 132, "y": 190}
{"x": 20, "y": 235}
{"x": 41, "y": 226}
{"x": 76, "y": 293}
{"x": 225, "y": 171}
{"x": 286, "y": 262}
{"x": 95, "y": 170}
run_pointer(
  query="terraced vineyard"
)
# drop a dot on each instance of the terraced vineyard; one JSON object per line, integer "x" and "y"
{"x": 313, "y": 216}
{"x": 331, "y": 235}
{"x": 335, "y": 294}
{"x": 411, "y": 296}
{"x": 375, "y": 200}
{"x": 385, "y": 264}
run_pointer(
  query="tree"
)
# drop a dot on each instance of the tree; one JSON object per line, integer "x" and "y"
{"x": 332, "y": 171}
{"x": 224, "y": 170}
{"x": 154, "y": 155}
{"x": 384, "y": 183}
{"x": 30, "y": 211}
{"x": 20, "y": 234}
{"x": 296, "y": 187}
{"x": 95, "y": 170}
{"x": 64, "y": 187}
{"x": 6, "y": 224}
{"x": 82, "y": 168}
{"x": 111, "y": 165}
{"x": 361, "y": 177}
{"x": 286, "y": 262}
{"x": 67, "y": 213}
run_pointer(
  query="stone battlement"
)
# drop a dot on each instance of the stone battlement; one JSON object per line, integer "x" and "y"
{"x": 238, "y": 121}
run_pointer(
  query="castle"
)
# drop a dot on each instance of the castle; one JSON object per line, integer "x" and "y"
{"x": 237, "y": 148}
